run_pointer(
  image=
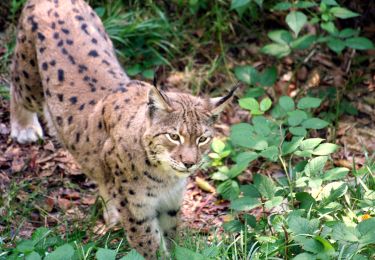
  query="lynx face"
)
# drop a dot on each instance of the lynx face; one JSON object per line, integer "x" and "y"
{"x": 181, "y": 129}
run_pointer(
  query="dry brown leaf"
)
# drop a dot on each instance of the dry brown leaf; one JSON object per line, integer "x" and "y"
{"x": 204, "y": 185}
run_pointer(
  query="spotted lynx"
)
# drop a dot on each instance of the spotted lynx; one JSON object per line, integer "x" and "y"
{"x": 138, "y": 143}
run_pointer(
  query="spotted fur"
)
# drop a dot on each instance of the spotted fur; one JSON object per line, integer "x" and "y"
{"x": 138, "y": 143}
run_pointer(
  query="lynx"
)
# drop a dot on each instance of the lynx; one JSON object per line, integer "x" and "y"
{"x": 137, "y": 142}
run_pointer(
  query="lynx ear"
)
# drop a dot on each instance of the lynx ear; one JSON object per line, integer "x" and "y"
{"x": 157, "y": 101}
{"x": 219, "y": 103}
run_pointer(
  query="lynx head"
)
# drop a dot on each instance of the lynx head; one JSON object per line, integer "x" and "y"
{"x": 180, "y": 129}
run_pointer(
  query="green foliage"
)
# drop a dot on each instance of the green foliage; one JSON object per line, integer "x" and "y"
{"x": 301, "y": 13}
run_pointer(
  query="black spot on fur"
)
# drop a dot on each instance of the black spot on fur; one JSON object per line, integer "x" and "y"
{"x": 131, "y": 192}
{"x": 78, "y": 137}
{"x": 94, "y": 41}
{"x": 59, "y": 120}
{"x": 70, "y": 120}
{"x": 56, "y": 35}
{"x": 25, "y": 74}
{"x": 32, "y": 62}
{"x": 60, "y": 97}
{"x": 79, "y": 18}
{"x": 172, "y": 213}
{"x": 69, "y": 42}
{"x": 133, "y": 229}
{"x": 44, "y": 66}
{"x": 41, "y": 37}
{"x": 64, "y": 30}
{"x": 60, "y": 75}
{"x": 81, "y": 107}
{"x": 73, "y": 100}
{"x": 60, "y": 43}
{"x": 52, "y": 62}
{"x": 93, "y": 53}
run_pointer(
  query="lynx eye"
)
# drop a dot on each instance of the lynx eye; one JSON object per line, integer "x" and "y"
{"x": 203, "y": 140}
{"x": 174, "y": 138}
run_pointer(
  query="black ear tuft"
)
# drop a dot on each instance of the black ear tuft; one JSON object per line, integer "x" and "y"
{"x": 157, "y": 101}
{"x": 221, "y": 102}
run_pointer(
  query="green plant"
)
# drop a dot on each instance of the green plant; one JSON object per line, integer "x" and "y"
{"x": 324, "y": 15}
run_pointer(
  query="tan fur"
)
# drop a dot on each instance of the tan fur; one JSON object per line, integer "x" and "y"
{"x": 137, "y": 143}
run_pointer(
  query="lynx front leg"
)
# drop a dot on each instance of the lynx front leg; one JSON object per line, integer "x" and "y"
{"x": 168, "y": 223}
{"x": 110, "y": 212}
{"x": 25, "y": 127}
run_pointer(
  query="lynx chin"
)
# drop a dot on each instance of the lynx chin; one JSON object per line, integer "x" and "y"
{"x": 137, "y": 142}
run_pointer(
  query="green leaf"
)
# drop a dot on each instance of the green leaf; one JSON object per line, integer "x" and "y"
{"x": 64, "y": 252}
{"x": 325, "y": 149}
{"x": 312, "y": 245}
{"x": 286, "y": 103}
{"x": 148, "y": 74}
{"x": 265, "y": 104}
{"x": 280, "y": 36}
{"x": 314, "y": 123}
{"x": 249, "y": 190}
{"x": 309, "y": 102}
{"x": 249, "y": 103}
{"x": 328, "y": 248}
{"x": 301, "y": 226}
{"x": 359, "y": 43}
{"x": 305, "y": 256}
{"x": 274, "y": 202}
{"x": 296, "y": 117}
{"x": 310, "y": 144}
{"x": 229, "y": 189}
{"x": 290, "y": 147}
{"x": 182, "y": 253}
{"x": 335, "y": 174}
{"x": 134, "y": 70}
{"x": 264, "y": 185}
{"x": 26, "y": 246}
{"x": 100, "y": 11}
{"x": 315, "y": 165}
{"x": 232, "y": 226}
{"x": 305, "y": 4}
{"x": 245, "y": 158}
{"x": 366, "y": 228}
{"x": 341, "y": 232}
{"x": 303, "y": 42}
{"x": 133, "y": 255}
{"x": 40, "y": 233}
{"x": 330, "y": 2}
{"x": 276, "y": 49}
{"x": 245, "y": 203}
{"x": 334, "y": 190}
{"x": 342, "y": 12}
{"x": 246, "y": 74}
{"x": 33, "y": 256}
{"x": 239, "y": 4}
{"x": 217, "y": 145}
{"x": 255, "y": 92}
{"x": 268, "y": 77}
{"x": 270, "y": 153}
{"x": 261, "y": 125}
{"x": 296, "y": 20}
{"x": 336, "y": 44}
{"x": 306, "y": 200}
{"x": 329, "y": 27}
{"x": 240, "y": 135}
{"x": 299, "y": 131}
{"x": 348, "y": 32}
{"x": 282, "y": 6}
{"x": 105, "y": 254}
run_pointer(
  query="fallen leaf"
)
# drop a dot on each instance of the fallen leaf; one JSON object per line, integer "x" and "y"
{"x": 204, "y": 185}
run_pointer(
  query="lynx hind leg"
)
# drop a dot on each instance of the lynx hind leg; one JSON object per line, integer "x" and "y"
{"x": 25, "y": 127}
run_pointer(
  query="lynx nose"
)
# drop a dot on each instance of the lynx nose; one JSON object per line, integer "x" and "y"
{"x": 188, "y": 165}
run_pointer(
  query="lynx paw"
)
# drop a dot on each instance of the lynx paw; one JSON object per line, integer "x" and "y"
{"x": 111, "y": 217}
{"x": 25, "y": 135}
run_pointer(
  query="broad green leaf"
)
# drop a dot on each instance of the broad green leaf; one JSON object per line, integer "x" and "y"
{"x": 366, "y": 228}
{"x": 264, "y": 185}
{"x": 299, "y": 131}
{"x": 239, "y": 4}
{"x": 336, "y": 45}
{"x": 100, "y": 11}
{"x": 299, "y": 225}
{"x": 133, "y": 255}
{"x": 260, "y": 144}
{"x": 231, "y": 226}
{"x": 296, "y": 20}
{"x": 342, "y": 12}
{"x": 290, "y": 147}
{"x": 217, "y": 145}
{"x": 261, "y": 126}
{"x": 341, "y": 232}
{"x": 274, "y": 202}
{"x": 328, "y": 248}
{"x": 310, "y": 144}
{"x": 305, "y": 4}
{"x": 236, "y": 170}
{"x": 134, "y": 70}
{"x": 249, "y": 190}
{"x": 335, "y": 174}
{"x": 304, "y": 256}
{"x": 314, "y": 123}
{"x": 348, "y": 32}
{"x": 255, "y": 92}
{"x": 26, "y": 246}
{"x": 40, "y": 233}
{"x": 359, "y": 43}
{"x": 276, "y": 49}
{"x": 33, "y": 256}
{"x": 240, "y": 135}
{"x": 265, "y": 104}
{"x": 105, "y": 254}
{"x": 303, "y": 42}
{"x": 306, "y": 153}
{"x": 245, "y": 203}
{"x": 334, "y": 190}
{"x": 250, "y": 220}
{"x": 296, "y": 117}
{"x": 268, "y": 77}
{"x": 280, "y": 36}
{"x": 64, "y": 252}
{"x": 306, "y": 200}
{"x": 282, "y": 6}
{"x": 329, "y": 27}
{"x": 309, "y": 102}
{"x": 315, "y": 165}
{"x": 286, "y": 103}
{"x": 148, "y": 74}
{"x": 330, "y": 2}
{"x": 311, "y": 245}
{"x": 270, "y": 153}
{"x": 246, "y": 74}
{"x": 245, "y": 158}
{"x": 325, "y": 149}
{"x": 182, "y": 253}
{"x": 229, "y": 189}
{"x": 211, "y": 252}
